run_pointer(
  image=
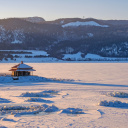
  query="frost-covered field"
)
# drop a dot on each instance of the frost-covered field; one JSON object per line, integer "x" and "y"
{"x": 97, "y": 98}
{"x": 36, "y": 56}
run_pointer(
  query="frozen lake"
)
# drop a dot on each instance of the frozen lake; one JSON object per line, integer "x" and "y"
{"x": 109, "y": 73}
{"x": 93, "y": 83}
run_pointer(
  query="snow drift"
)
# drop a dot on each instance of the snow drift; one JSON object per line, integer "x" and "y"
{"x": 38, "y": 94}
{"x": 38, "y": 100}
{"x": 113, "y": 104}
{"x": 25, "y": 110}
{"x": 2, "y": 100}
{"x": 9, "y": 79}
{"x": 118, "y": 94}
{"x": 73, "y": 111}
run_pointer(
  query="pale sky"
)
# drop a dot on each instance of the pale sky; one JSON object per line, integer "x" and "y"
{"x": 54, "y": 9}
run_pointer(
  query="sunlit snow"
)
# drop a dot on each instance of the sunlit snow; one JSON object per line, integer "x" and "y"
{"x": 80, "y": 103}
{"x": 78, "y": 23}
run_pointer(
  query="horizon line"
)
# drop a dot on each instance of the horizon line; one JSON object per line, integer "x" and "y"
{"x": 60, "y": 18}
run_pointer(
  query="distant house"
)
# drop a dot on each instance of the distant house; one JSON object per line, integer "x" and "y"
{"x": 22, "y": 70}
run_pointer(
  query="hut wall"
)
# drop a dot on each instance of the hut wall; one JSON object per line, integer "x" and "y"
{"x": 13, "y": 74}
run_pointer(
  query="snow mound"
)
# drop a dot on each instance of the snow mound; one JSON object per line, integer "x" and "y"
{"x": 52, "y": 108}
{"x": 78, "y": 23}
{"x": 73, "y": 111}
{"x": 118, "y": 94}
{"x": 5, "y": 119}
{"x": 3, "y": 127}
{"x": 38, "y": 100}
{"x": 37, "y": 109}
{"x": 113, "y": 103}
{"x": 2, "y": 100}
{"x": 39, "y": 94}
{"x": 25, "y": 110}
{"x": 62, "y": 80}
{"x": 13, "y": 108}
{"x": 51, "y": 91}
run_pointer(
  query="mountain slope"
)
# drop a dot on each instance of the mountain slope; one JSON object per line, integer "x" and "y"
{"x": 34, "y": 19}
{"x": 60, "y": 37}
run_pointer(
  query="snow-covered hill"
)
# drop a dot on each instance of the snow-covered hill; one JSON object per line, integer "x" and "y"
{"x": 90, "y": 57}
{"x": 27, "y": 56}
{"x": 58, "y": 37}
{"x": 78, "y": 23}
{"x": 34, "y": 19}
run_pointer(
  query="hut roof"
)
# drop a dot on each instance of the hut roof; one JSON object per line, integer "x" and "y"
{"x": 22, "y": 67}
{"x": 16, "y": 66}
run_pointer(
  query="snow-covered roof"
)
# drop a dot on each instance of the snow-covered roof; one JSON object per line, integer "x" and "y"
{"x": 22, "y": 67}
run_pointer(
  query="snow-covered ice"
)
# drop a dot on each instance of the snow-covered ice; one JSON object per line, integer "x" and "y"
{"x": 74, "y": 102}
{"x": 9, "y": 79}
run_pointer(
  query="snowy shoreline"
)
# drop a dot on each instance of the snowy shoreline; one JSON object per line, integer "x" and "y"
{"x": 69, "y": 62}
{"x": 22, "y": 79}
{"x": 36, "y": 56}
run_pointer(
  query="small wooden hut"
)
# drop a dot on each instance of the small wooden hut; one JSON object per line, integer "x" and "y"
{"x": 22, "y": 70}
